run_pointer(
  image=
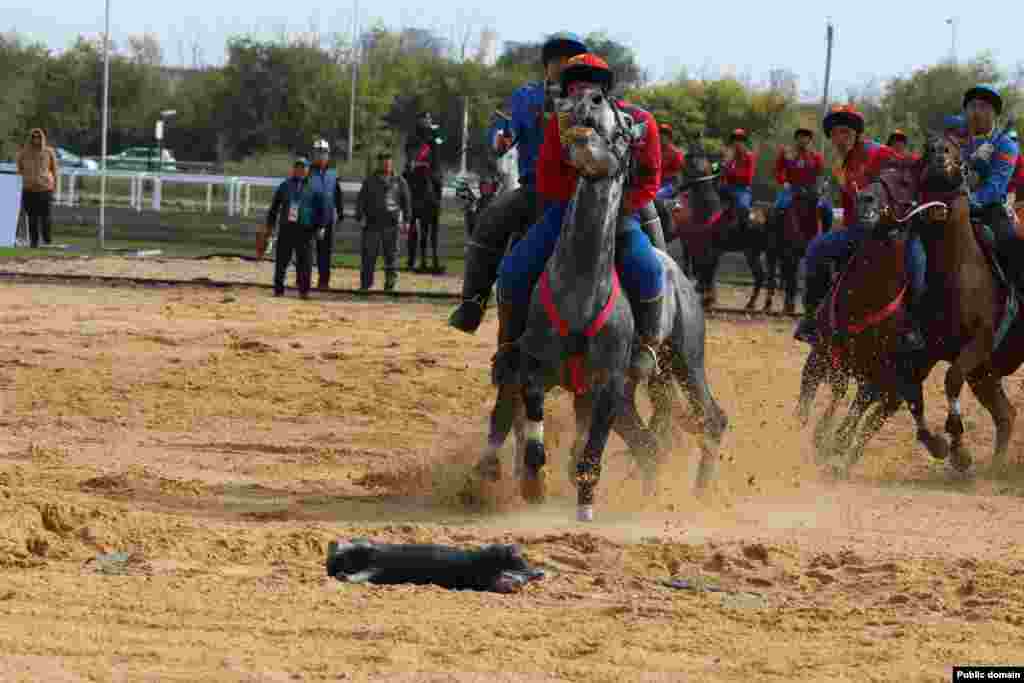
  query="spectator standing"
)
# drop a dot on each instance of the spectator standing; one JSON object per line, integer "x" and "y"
{"x": 293, "y": 209}
{"x": 37, "y": 166}
{"x": 385, "y": 203}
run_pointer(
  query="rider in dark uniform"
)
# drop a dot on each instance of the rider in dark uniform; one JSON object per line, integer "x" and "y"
{"x": 423, "y": 174}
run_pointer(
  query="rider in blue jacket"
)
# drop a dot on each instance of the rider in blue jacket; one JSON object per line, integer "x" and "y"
{"x": 991, "y": 157}
{"x": 521, "y": 125}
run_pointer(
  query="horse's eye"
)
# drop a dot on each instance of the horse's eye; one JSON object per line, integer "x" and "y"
{"x": 596, "y": 99}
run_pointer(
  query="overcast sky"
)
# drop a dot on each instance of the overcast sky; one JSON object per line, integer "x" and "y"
{"x": 873, "y": 37}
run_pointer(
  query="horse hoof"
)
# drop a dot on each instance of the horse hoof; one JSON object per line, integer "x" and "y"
{"x": 936, "y": 445}
{"x": 585, "y": 513}
{"x": 751, "y": 305}
{"x": 531, "y": 486}
{"x": 489, "y": 468}
{"x": 790, "y": 309}
{"x": 768, "y": 305}
{"x": 960, "y": 458}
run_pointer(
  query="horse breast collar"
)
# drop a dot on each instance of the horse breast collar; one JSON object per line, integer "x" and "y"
{"x": 577, "y": 380}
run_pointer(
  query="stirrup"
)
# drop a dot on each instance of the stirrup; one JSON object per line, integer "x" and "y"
{"x": 640, "y": 367}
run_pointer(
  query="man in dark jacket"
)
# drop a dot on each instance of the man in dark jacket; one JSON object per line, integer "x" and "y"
{"x": 385, "y": 203}
{"x": 293, "y": 210}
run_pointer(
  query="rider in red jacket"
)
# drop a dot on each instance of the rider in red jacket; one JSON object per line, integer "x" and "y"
{"x": 898, "y": 142}
{"x": 640, "y": 268}
{"x": 672, "y": 158}
{"x": 738, "y": 175}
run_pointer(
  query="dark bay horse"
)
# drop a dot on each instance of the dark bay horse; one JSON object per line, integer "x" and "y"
{"x": 707, "y": 230}
{"x": 973, "y": 323}
{"x": 798, "y": 226}
{"x": 580, "y": 330}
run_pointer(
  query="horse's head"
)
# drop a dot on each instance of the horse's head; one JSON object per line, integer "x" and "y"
{"x": 597, "y": 134}
{"x": 943, "y": 171}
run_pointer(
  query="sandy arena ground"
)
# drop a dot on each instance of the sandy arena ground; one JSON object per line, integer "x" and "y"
{"x": 223, "y": 438}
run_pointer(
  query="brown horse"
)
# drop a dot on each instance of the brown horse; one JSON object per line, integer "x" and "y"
{"x": 973, "y": 323}
{"x": 861, "y": 322}
{"x": 800, "y": 224}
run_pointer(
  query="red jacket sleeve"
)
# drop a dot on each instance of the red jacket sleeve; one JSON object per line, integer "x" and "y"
{"x": 556, "y": 180}
{"x": 819, "y": 164}
{"x": 780, "y": 166}
{"x": 744, "y": 170}
{"x": 1017, "y": 181}
{"x": 878, "y": 155}
{"x": 646, "y": 166}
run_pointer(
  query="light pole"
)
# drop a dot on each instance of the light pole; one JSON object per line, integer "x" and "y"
{"x": 159, "y": 135}
{"x": 106, "y": 120}
{"x": 953, "y": 21}
{"x": 355, "y": 65}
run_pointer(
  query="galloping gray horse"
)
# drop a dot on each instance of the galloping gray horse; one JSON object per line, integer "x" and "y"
{"x": 580, "y": 331}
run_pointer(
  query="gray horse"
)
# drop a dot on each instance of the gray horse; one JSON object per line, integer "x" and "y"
{"x": 580, "y": 331}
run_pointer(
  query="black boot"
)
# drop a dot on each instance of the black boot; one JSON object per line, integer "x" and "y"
{"x": 912, "y": 340}
{"x": 646, "y": 320}
{"x": 816, "y": 290}
{"x": 481, "y": 272}
{"x": 511, "y": 325}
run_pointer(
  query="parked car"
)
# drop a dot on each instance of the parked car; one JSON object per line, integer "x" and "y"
{"x": 150, "y": 159}
{"x": 69, "y": 159}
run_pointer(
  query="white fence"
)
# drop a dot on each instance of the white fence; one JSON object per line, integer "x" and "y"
{"x": 237, "y": 189}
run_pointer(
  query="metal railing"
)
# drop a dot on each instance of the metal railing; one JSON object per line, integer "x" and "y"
{"x": 237, "y": 190}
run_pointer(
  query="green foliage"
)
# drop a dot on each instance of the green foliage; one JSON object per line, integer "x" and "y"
{"x": 274, "y": 97}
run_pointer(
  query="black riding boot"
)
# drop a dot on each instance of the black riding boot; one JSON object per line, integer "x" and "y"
{"x": 913, "y": 339}
{"x": 481, "y": 272}
{"x": 815, "y": 292}
{"x": 511, "y": 325}
{"x": 646, "y": 320}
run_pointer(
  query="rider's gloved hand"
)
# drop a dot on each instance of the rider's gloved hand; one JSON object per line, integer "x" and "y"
{"x": 984, "y": 152}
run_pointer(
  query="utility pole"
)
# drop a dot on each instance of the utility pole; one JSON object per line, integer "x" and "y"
{"x": 105, "y": 124}
{"x": 355, "y": 68}
{"x": 953, "y": 21}
{"x": 829, "y": 38}
{"x": 465, "y": 134}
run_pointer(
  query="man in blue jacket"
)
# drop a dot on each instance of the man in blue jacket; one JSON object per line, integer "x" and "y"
{"x": 326, "y": 185}
{"x": 991, "y": 157}
{"x": 528, "y": 109}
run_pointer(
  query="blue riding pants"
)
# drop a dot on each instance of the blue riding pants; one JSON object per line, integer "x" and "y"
{"x": 784, "y": 199}
{"x": 827, "y": 213}
{"x": 840, "y": 245}
{"x": 640, "y": 270}
{"x": 742, "y": 196}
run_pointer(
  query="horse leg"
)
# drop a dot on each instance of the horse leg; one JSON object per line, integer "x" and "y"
{"x": 643, "y": 446}
{"x": 839, "y": 382}
{"x": 607, "y": 401}
{"x": 583, "y": 407}
{"x": 974, "y": 355}
{"x": 842, "y": 445}
{"x": 988, "y": 387}
{"x": 757, "y": 270}
{"x": 707, "y": 418}
{"x": 814, "y": 373}
{"x": 503, "y": 416}
{"x": 960, "y": 456}
{"x": 872, "y": 425}
{"x": 790, "y": 266}
{"x": 913, "y": 394}
{"x": 532, "y": 482}
{"x": 661, "y": 391}
{"x": 771, "y": 263}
